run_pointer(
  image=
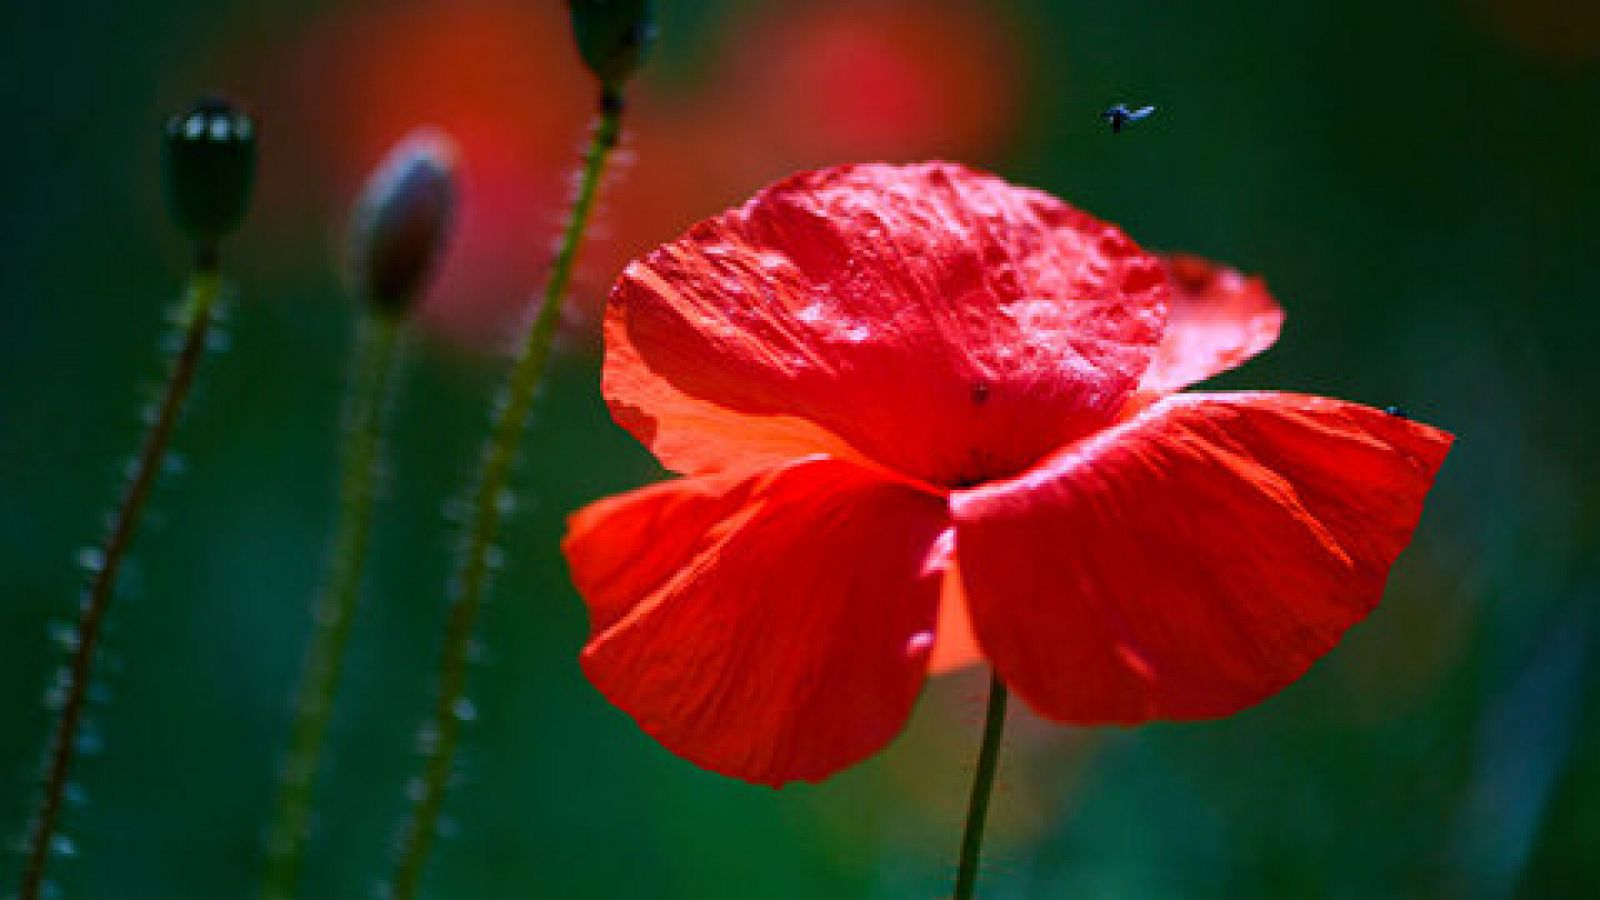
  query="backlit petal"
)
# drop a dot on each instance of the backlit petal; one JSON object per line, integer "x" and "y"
{"x": 695, "y": 436}
{"x": 954, "y": 646}
{"x": 625, "y": 546}
{"x": 1195, "y": 559}
{"x": 943, "y": 323}
{"x": 771, "y": 628}
{"x": 1218, "y": 319}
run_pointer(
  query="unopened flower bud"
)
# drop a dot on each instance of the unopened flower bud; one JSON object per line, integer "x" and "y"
{"x": 209, "y": 154}
{"x": 402, "y": 221}
{"x": 613, "y": 36}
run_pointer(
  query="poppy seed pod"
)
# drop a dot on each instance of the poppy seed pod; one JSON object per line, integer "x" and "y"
{"x": 402, "y": 220}
{"x": 613, "y": 36}
{"x": 209, "y": 156}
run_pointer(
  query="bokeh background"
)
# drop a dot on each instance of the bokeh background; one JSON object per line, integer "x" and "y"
{"x": 1418, "y": 182}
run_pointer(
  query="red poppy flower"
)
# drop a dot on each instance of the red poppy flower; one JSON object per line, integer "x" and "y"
{"x": 928, "y": 417}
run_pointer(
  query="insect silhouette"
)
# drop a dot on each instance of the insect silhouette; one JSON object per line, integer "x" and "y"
{"x": 1120, "y": 116}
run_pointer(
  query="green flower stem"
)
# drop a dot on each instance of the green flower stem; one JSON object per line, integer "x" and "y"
{"x": 201, "y": 296}
{"x": 488, "y": 507}
{"x": 361, "y": 462}
{"x": 982, "y": 787}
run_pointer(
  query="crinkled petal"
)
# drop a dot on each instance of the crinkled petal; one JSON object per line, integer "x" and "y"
{"x": 1218, "y": 319}
{"x": 1195, "y": 559}
{"x": 694, "y": 436}
{"x": 772, "y": 628}
{"x": 939, "y": 321}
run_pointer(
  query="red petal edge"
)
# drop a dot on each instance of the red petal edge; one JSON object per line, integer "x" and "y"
{"x": 1193, "y": 560}
{"x": 771, "y": 628}
{"x": 1217, "y": 319}
{"x": 939, "y": 321}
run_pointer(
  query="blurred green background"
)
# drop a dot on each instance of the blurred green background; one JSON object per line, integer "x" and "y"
{"x": 1418, "y": 182}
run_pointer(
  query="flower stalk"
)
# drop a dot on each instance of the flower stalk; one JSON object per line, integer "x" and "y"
{"x": 362, "y": 461}
{"x": 487, "y": 510}
{"x": 208, "y": 155}
{"x": 204, "y": 287}
{"x": 982, "y": 788}
{"x": 398, "y": 232}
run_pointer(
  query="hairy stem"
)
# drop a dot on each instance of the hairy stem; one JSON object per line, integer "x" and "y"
{"x": 201, "y": 295}
{"x": 360, "y": 466}
{"x": 982, "y": 787}
{"x": 488, "y": 506}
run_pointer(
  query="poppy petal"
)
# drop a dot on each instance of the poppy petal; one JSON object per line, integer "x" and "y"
{"x": 623, "y": 547}
{"x": 1195, "y": 559}
{"x": 770, "y": 628}
{"x": 1218, "y": 318}
{"x": 954, "y": 646}
{"x": 943, "y": 323}
{"x": 693, "y": 436}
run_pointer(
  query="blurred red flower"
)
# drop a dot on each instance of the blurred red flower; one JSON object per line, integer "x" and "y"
{"x": 927, "y": 417}
{"x": 823, "y": 83}
{"x": 501, "y": 77}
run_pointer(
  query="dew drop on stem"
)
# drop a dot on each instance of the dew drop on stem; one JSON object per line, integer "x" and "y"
{"x": 64, "y": 635}
{"x": 91, "y": 559}
{"x": 89, "y": 742}
{"x": 75, "y": 795}
{"x": 427, "y": 739}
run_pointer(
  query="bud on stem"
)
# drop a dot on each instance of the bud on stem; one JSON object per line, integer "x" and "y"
{"x": 402, "y": 221}
{"x": 209, "y": 157}
{"x": 613, "y": 36}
